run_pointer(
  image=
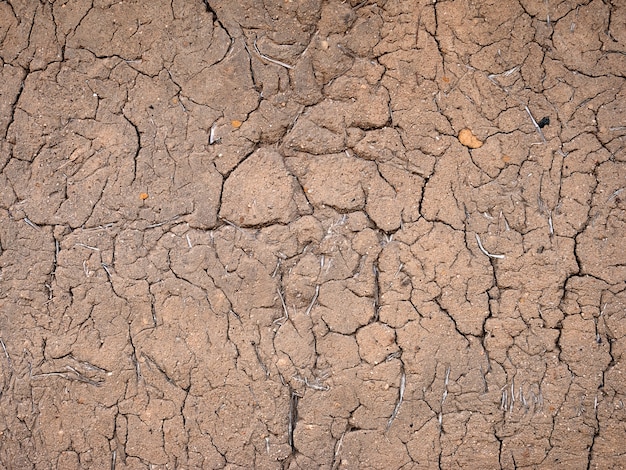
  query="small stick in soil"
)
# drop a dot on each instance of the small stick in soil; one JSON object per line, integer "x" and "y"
{"x": 376, "y": 287}
{"x": 163, "y": 223}
{"x": 137, "y": 367}
{"x": 278, "y": 262}
{"x": 188, "y": 241}
{"x": 480, "y": 245}
{"x": 615, "y": 194}
{"x": 506, "y": 223}
{"x": 284, "y": 318}
{"x": 67, "y": 376}
{"x": 339, "y": 445}
{"x": 310, "y": 307}
{"x": 31, "y": 223}
{"x": 399, "y": 270}
{"x": 89, "y": 365}
{"x": 113, "y": 459}
{"x": 106, "y": 267}
{"x": 6, "y": 353}
{"x": 550, "y": 223}
{"x": 445, "y": 389}
{"x": 50, "y": 291}
{"x": 49, "y": 374}
{"x": 543, "y": 138}
{"x": 87, "y": 246}
{"x": 504, "y": 74}
{"x": 393, "y": 355}
{"x": 81, "y": 378}
{"x": 101, "y": 227}
{"x": 236, "y": 227}
{"x": 400, "y": 399}
{"x": 334, "y": 465}
{"x": 269, "y": 59}
{"x": 282, "y": 301}
{"x": 511, "y": 71}
{"x": 314, "y": 385}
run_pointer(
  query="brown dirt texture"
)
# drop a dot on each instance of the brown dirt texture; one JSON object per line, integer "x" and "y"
{"x": 312, "y": 234}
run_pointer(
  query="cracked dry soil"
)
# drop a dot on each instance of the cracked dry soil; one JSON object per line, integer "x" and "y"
{"x": 239, "y": 234}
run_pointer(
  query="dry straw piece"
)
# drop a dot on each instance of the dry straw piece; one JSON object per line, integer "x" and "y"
{"x": 467, "y": 138}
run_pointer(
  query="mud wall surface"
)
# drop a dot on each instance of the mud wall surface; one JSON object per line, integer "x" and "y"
{"x": 312, "y": 234}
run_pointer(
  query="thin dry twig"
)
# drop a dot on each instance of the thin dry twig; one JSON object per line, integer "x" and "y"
{"x": 93, "y": 248}
{"x": 400, "y": 399}
{"x": 269, "y": 59}
{"x": 315, "y": 385}
{"x": 480, "y": 245}
{"x": 31, "y": 223}
{"x": 445, "y": 388}
{"x": 503, "y": 74}
{"x": 107, "y": 269}
{"x": 80, "y": 377}
{"x": 100, "y": 227}
{"x": 310, "y": 307}
{"x": 615, "y": 194}
{"x": 74, "y": 375}
{"x": 278, "y": 262}
{"x": 163, "y": 223}
{"x": 6, "y": 353}
{"x": 282, "y": 301}
{"x": 284, "y": 318}
{"x": 543, "y": 138}
{"x": 88, "y": 365}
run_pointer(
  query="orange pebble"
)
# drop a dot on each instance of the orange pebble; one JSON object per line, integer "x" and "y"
{"x": 236, "y": 124}
{"x": 143, "y": 196}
